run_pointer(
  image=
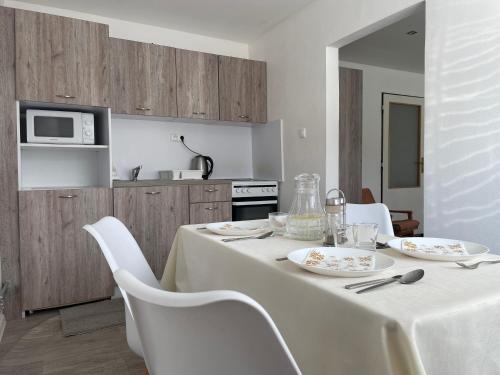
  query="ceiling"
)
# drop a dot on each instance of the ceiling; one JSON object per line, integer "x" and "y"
{"x": 237, "y": 20}
{"x": 391, "y": 47}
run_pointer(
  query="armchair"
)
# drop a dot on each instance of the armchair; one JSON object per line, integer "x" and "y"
{"x": 402, "y": 228}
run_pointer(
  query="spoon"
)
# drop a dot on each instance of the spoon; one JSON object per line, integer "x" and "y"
{"x": 407, "y": 278}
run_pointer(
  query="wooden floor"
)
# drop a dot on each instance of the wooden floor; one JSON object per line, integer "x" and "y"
{"x": 36, "y": 346}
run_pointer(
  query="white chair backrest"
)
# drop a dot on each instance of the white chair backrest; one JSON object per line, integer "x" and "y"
{"x": 209, "y": 333}
{"x": 121, "y": 250}
{"x": 377, "y": 213}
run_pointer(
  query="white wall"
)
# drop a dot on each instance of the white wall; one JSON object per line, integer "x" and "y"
{"x": 303, "y": 78}
{"x": 377, "y": 80}
{"x": 146, "y": 33}
{"x": 462, "y": 143}
{"x": 147, "y": 143}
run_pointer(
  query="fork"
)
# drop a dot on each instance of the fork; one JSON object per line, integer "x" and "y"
{"x": 261, "y": 237}
{"x": 473, "y": 266}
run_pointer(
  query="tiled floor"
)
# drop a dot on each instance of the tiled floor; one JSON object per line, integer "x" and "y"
{"x": 36, "y": 346}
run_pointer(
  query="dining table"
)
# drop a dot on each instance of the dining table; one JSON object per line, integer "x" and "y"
{"x": 446, "y": 323}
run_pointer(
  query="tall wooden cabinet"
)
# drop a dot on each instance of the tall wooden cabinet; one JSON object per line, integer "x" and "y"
{"x": 197, "y": 85}
{"x": 143, "y": 78}
{"x": 153, "y": 215}
{"x": 242, "y": 90}
{"x": 9, "y": 237}
{"x": 61, "y": 60}
{"x": 61, "y": 263}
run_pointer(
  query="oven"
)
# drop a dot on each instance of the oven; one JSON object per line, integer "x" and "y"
{"x": 253, "y": 200}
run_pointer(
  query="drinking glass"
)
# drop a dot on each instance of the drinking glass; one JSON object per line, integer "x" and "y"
{"x": 365, "y": 235}
{"x": 277, "y": 222}
{"x": 344, "y": 236}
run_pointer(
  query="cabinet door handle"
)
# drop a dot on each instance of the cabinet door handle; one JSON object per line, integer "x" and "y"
{"x": 141, "y": 108}
{"x": 153, "y": 192}
{"x": 246, "y": 117}
{"x": 196, "y": 113}
{"x": 211, "y": 208}
{"x": 69, "y": 196}
{"x": 202, "y": 113}
{"x": 211, "y": 190}
{"x": 66, "y": 96}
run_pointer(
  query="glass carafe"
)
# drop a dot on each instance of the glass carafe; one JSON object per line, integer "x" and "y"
{"x": 306, "y": 217}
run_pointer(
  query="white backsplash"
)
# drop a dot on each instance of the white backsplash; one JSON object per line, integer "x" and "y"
{"x": 147, "y": 143}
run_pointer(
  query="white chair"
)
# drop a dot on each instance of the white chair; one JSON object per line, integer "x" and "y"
{"x": 209, "y": 333}
{"x": 377, "y": 213}
{"x": 122, "y": 251}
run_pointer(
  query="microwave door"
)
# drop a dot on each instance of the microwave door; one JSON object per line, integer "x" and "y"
{"x": 54, "y": 127}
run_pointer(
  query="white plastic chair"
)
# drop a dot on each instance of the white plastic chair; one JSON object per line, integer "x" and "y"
{"x": 377, "y": 213}
{"x": 209, "y": 333}
{"x": 122, "y": 251}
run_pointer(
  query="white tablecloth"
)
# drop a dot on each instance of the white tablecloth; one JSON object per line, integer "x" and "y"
{"x": 447, "y": 323}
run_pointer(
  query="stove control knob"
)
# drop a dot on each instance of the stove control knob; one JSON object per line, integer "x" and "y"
{"x": 248, "y": 190}
{"x": 263, "y": 190}
{"x": 237, "y": 190}
{"x": 274, "y": 190}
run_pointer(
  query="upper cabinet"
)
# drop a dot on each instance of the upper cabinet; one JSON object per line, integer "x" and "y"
{"x": 242, "y": 90}
{"x": 61, "y": 60}
{"x": 71, "y": 61}
{"x": 143, "y": 79}
{"x": 197, "y": 85}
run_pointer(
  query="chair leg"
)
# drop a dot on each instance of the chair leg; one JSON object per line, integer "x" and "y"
{"x": 146, "y": 372}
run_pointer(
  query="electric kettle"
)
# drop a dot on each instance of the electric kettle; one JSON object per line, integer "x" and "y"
{"x": 203, "y": 163}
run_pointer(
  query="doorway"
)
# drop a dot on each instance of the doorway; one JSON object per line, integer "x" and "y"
{"x": 390, "y": 65}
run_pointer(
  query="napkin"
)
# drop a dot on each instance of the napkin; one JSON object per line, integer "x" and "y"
{"x": 438, "y": 248}
{"x": 318, "y": 258}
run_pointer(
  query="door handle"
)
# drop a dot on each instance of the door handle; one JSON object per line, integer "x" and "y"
{"x": 153, "y": 192}
{"x": 69, "y": 196}
{"x": 211, "y": 190}
{"x": 211, "y": 208}
{"x": 65, "y": 96}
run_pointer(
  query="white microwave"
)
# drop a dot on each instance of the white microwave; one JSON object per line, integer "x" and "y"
{"x": 59, "y": 127}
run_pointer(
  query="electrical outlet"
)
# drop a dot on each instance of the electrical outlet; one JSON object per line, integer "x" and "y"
{"x": 174, "y": 138}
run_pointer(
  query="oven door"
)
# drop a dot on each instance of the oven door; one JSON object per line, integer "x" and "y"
{"x": 53, "y": 127}
{"x": 253, "y": 210}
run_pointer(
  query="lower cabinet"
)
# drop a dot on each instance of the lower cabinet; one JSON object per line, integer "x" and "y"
{"x": 61, "y": 263}
{"x": 153, "y": 215}
{"x": 201, "y": 213}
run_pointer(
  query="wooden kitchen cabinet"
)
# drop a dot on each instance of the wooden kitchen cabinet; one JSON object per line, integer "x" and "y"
{"x": 61, "y": 263}
{"x": 153, "y": 215}
{"x": 143, "y": 79}
{"x": 202, "y": 213}
{"x": 242, "y": 90}
{"x": 61, "y": 60}
{"x": 210, "y": 203}
{"x": 197, "y": 85}
{"x": 209, "y": 193}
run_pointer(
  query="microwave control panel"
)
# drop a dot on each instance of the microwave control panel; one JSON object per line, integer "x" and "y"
{"x": 88, "y": 134}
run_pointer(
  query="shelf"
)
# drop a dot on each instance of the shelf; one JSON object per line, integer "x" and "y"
{"x": 54, "y": 146}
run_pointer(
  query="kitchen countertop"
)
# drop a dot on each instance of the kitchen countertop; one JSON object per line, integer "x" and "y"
{"x": 148, "y": 183}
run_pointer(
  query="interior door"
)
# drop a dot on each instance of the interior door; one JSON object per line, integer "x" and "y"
{"x": 402, "y": 159}
{"x": 350, "y": 132}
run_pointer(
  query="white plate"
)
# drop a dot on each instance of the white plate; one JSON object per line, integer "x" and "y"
{"x": 239, "y": 228}
{"x": 472, "y": 248}
{"x": 382, "y": 262}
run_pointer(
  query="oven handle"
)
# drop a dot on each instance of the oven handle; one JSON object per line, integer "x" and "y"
{"x": 254, "y": 203}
